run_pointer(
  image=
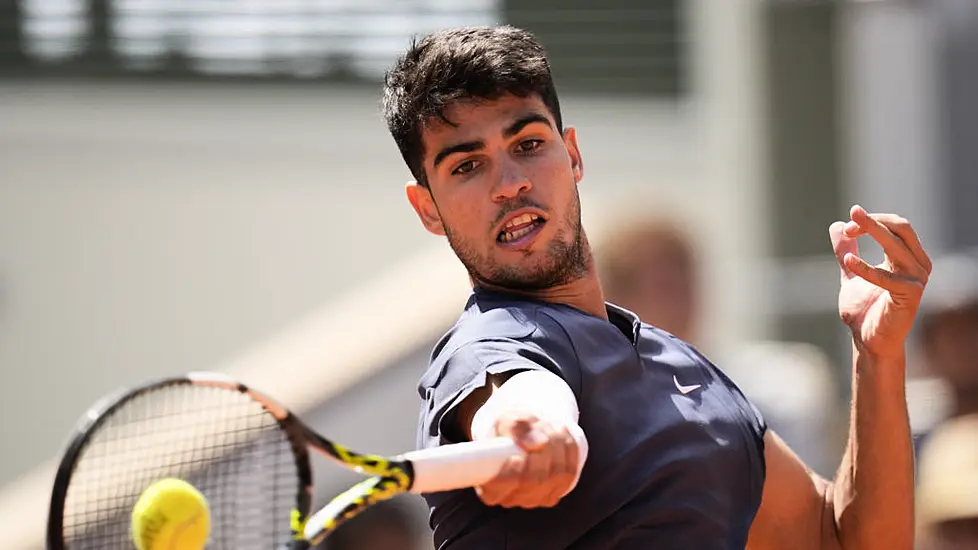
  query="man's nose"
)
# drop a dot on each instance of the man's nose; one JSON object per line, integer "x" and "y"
{"x": 511, "y": 184}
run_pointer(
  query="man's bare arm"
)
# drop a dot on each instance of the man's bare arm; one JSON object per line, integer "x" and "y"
{"x": 872, "y": 497}
{"x": 870, "y": 502}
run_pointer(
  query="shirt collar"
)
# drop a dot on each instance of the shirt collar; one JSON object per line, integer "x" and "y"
{"x": 626, "y": 317}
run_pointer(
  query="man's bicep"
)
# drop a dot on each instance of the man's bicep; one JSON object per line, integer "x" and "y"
{"x": 794, "y": 511}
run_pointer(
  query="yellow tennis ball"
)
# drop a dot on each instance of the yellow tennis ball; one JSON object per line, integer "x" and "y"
{"x": 171, "y": 514}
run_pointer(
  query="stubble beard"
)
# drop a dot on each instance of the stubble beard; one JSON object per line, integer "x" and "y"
{"x": 566, "y": 260}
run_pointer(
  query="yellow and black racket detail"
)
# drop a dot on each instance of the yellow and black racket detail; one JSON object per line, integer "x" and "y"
{"x": 246, "y": 453}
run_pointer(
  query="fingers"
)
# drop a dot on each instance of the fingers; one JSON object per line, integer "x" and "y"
{"x": 501, "y": 489}
{"x": 841, "y": 246}
{"x": 543, "y": 475}
{"x": 897, "y": 237}
{"x": 555, "y": 481}
{"x": 897, "y": 285}
{"x": 879, "y": 226}
{"x": 904, "y": 253}
{"x": 536, "y": 484}
{"x": 527, "y": 431}
{"x": 901, "y": 228}
{"x": 565, "y": 470}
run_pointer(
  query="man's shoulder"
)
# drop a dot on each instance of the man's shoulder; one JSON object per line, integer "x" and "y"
{"x": 494, "y": 335}
{"x": 493, "y": 317}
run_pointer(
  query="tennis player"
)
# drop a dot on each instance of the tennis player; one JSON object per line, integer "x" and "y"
{"x": 633, "y": 439}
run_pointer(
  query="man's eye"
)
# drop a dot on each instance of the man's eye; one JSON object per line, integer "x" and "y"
{"x": 465, "y": 167}
{"x": 529, "y": 146}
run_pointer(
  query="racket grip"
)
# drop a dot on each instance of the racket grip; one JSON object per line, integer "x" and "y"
{"x": 460, "y": 465}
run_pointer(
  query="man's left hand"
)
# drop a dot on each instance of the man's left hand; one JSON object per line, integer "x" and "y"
{"x": 879, "y": 302}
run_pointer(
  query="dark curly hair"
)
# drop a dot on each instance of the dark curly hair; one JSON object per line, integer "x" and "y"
{"x": 466, "y": 63}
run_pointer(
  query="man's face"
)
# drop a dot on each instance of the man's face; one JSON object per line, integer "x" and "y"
{"x": 502, "y": 187}
{"x": 662, "y": 290}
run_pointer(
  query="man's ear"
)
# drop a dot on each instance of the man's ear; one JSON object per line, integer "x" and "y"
{"x": 420, "y": 198}
{"x": 577, "y": 164}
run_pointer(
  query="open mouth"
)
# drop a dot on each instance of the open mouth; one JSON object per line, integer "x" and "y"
{"x": 520, "y": 229}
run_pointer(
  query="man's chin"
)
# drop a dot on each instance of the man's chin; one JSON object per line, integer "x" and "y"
{"x": 522, "y": 280}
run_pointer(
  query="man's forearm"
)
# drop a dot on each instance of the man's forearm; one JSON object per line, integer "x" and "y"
{"x": 872, "y": 496}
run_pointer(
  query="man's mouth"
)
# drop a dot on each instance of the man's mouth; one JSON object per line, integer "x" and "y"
{"x": 520, "y": 227}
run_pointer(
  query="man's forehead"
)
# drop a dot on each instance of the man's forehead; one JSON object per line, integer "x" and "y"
{"x": 482, "y": 118}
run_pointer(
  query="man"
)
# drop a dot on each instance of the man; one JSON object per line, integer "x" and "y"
{"x": 949, "y": 330}
{"x": 948, "y": 337}
{"x": 652, "y": 269}
{"x": 632, "y": 438}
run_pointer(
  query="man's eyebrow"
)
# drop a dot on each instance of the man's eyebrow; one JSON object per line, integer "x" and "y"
{"x": 510, "y": 131}
{"x": 523, "y": 122}
{"x": 466, "y": 147}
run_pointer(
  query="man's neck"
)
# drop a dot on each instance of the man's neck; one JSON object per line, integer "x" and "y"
{"x": 583, "y": 293}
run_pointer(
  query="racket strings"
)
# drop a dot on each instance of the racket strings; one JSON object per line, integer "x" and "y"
{"x": 219, "y": 440}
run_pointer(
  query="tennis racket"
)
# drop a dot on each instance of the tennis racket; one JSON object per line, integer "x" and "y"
{"x": 247, "y": 454}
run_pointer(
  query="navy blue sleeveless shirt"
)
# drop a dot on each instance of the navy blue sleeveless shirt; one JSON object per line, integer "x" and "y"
{"x": 676, "y": 458}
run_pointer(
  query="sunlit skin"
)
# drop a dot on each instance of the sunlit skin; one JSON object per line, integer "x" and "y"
{"x": 496, "y": 161}
{"x": 503, "y": 158}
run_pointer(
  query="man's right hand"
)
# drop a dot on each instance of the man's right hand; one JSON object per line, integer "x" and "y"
{"x": 543, "y": 475}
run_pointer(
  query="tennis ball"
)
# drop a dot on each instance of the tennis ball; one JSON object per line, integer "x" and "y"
{"x": 171, "y": 514}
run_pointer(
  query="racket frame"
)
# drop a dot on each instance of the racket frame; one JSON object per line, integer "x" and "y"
{"x": 445, "y": 468}
{"x": 102, "y": 410}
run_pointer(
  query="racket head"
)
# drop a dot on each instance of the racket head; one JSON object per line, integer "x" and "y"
{"x": 243, "y": 451}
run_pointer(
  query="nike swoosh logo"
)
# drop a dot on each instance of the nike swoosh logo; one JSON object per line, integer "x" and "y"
{"x": 684, "y": 389}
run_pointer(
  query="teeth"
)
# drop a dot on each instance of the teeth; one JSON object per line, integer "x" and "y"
{"x": 527, "y": 223}
{"x": 513, "y": 235}
{"x": 525, "y": 218}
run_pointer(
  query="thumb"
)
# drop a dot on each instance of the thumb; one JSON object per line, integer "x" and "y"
{"x": 841, "y": 246}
